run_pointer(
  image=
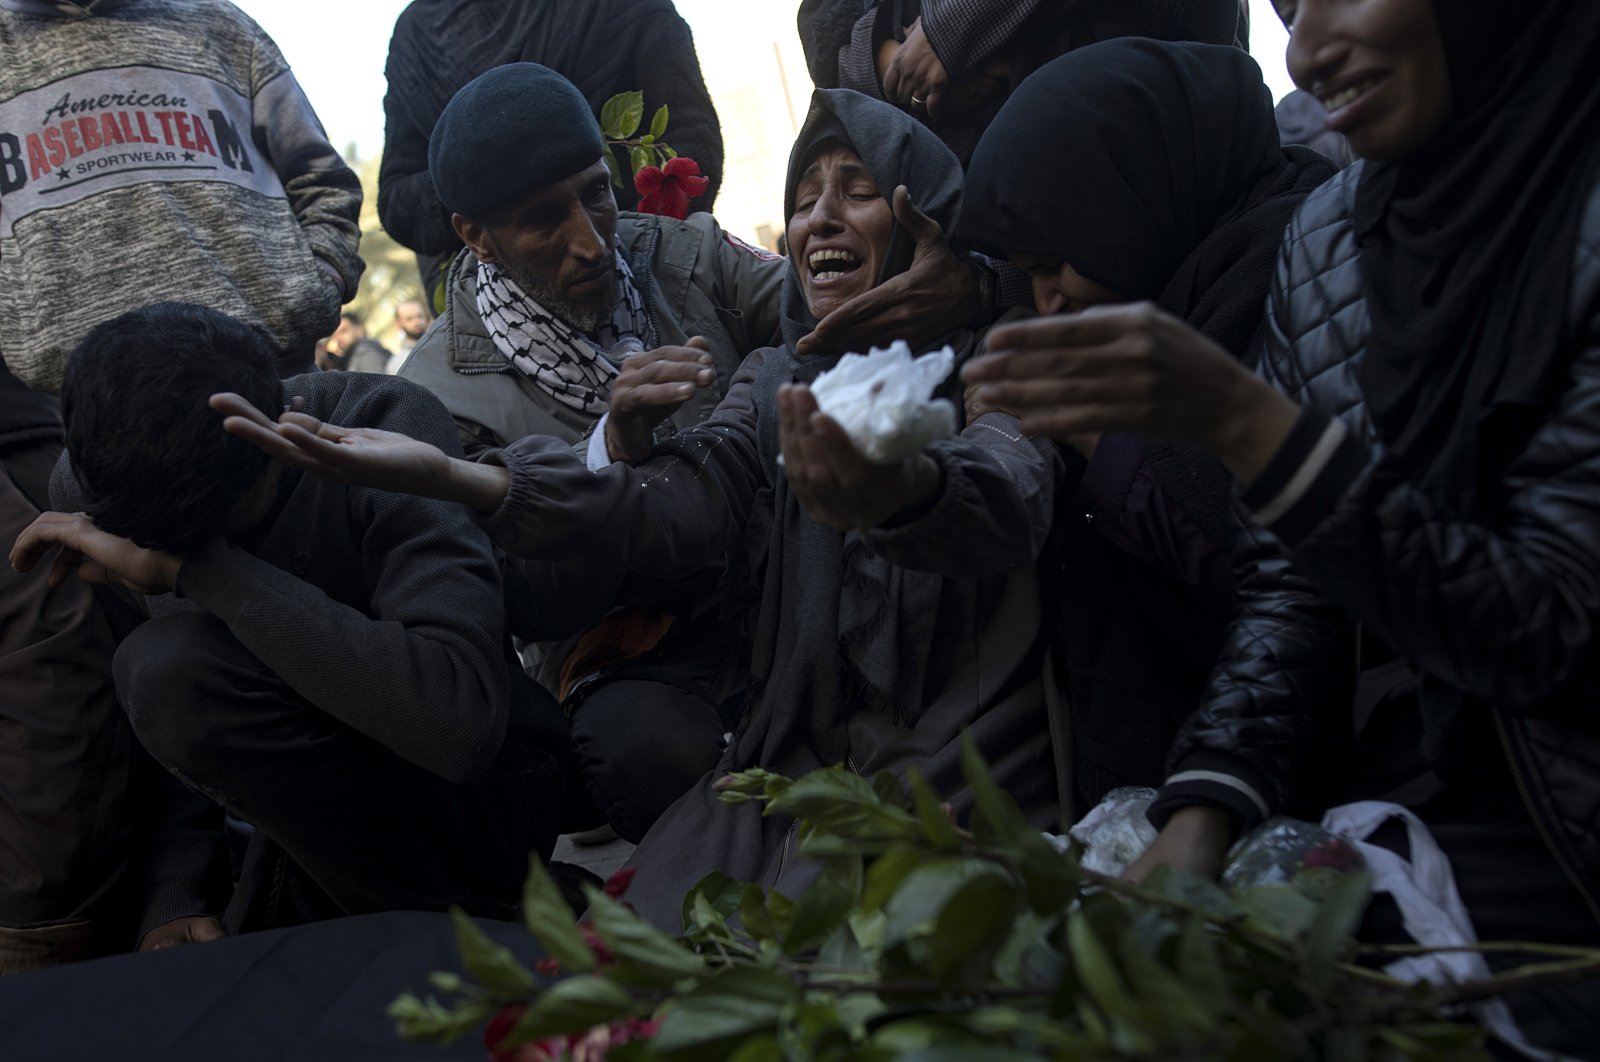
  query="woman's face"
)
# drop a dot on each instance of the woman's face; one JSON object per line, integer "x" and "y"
{"x": 1058, "y": 288}
{"x": 1378, "y": 66}
{"x": 839, "y": 234}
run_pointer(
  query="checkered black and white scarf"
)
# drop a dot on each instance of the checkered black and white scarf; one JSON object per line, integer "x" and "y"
{"x": 576, "y": 369}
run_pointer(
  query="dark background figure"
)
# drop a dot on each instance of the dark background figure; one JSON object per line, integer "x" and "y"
{"x": 65, "y": 776}
{"x": 350, "y": 349}
{"x": 602, "y": 46}
{"x": 980, "y": 50}
{"x": 1303, "y": 120}
{"x": 412, "y": 317}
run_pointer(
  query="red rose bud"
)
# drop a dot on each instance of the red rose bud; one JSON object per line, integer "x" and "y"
{"x": 667, "y": 190}
{"x": 499, "y": 1028}
{"x": 1334, "y": 854}
{"x": 602, "y": 954}
{"x": 618, "y": 883}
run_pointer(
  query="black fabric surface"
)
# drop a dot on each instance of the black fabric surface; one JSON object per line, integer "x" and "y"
{"x": 602, "y": 46}
{"x": 1158, "y": 143}
{"x": 310, "y": 993}
{"x": 1467, "y": 247}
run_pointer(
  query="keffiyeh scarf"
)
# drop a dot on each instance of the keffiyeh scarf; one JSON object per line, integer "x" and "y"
{"x": 574, "y": 368}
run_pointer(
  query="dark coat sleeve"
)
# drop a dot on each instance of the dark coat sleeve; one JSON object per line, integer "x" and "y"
{"x": 408, "y": 206}
{"x": 668, "y": 517}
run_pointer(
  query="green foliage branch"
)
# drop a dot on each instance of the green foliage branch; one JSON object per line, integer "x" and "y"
{"x": 620, "y": 120}
{"x": 922, "y": 940}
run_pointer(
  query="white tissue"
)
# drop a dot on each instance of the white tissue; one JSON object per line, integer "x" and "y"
{"x": 884, "y": 401}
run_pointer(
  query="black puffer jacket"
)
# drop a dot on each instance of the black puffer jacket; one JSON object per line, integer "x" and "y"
{"x": 1504, "y": 615}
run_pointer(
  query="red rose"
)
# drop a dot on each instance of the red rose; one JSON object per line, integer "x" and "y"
{"x": 499, "y": 1028}
{"x": 667, "y": 190}
{"x": 618, "y": 883}
{"x": 1334, "y": 854}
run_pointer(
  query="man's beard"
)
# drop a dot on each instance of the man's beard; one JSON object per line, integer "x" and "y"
{"x": 587, "y": 319}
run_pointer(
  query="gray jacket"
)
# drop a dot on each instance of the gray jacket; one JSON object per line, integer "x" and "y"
{"x": 696, "y": 280}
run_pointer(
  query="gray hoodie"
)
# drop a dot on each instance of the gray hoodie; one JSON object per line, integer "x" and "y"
{"x": 161, "y": 149}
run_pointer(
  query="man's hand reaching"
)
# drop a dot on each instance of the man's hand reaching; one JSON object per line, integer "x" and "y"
{"x": 651, "y": 387}
{"x": 366, "y": 457}
{"x": 98, "y": 556}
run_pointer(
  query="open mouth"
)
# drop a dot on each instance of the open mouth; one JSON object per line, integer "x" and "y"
{"x": 1349, "y": 94}
{"x": 831, "y": 264}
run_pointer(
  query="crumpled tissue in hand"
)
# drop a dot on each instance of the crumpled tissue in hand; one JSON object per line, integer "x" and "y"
{"x": 884, "y": 401}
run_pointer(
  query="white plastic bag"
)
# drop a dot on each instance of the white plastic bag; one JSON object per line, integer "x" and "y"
{"x": 884, "y": 401}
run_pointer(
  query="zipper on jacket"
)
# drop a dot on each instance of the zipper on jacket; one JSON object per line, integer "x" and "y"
{"x": 648, "y": 271}
{"x": 1573, "y": 878}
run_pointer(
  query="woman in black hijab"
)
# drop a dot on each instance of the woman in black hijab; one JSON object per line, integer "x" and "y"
{"x": 1162, "y": 180}
{"x": 1422, "y": 443}
{"x": 862, "y": 652}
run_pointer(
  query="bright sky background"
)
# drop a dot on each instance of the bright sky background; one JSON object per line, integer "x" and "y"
{"x": 337, "y": 49}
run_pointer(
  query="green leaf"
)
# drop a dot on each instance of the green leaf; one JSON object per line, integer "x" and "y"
{"x": 970, "y": 928}
{"x": 666, "y": 151}
{"x": 1336, "y": 921}
{"x": 1192, "y": 891}
{"x": 721, "y": 891}
{"x": 641, "y": 157}
{"x": 658, "y": 124}
{"x": 835, "y": 800}
{"x": 915, "y": 908}
{"x": 621, "y": 115}
{"x": 491, "y": 965}
{"x": 754, "y": 916}
{"x": 884, "y": 783}
{"x": 644, "y": 954}
{"x": 573, "y": 1004}
{"x": 823, "y": 907}
{"x": 732, "y": 1003}
{"x": 936, "y": 825}
{"x": 1282, "y": 911}
{"x": 551, "y": 920}
{"x": 762, "y": 1048}
{"x": 1098, "y": 974}
{"x": 616, "y": 180}
{"x": 995, "y": 816}
{"x": 886, "y": 873}
{"x": 418, "y": 1019}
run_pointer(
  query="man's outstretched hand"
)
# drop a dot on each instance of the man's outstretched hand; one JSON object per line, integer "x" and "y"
{"x": 98, "y": 556}
{"x": 364, "y": 457}
{"x": 935, "y": 296}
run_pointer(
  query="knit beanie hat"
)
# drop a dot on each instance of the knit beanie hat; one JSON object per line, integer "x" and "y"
{"x": 510, "y": 130}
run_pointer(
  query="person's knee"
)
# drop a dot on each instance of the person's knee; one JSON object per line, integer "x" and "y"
{"x": 160, "y": 674}
{"x": 643, "y": 744}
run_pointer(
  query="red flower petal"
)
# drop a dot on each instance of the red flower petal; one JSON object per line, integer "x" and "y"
{"x": 618, "y": 883}
{"x": 500, "y": 1025}
{"x": 682, "y": 166}
{"x": 647, "y": 180}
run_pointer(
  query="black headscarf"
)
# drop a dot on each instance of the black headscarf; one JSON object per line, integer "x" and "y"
{"x": 897, "y": 149}
{"x": 1467, "y": 246}
{"x": 1121, "y": 158}
{"x": 1153, "y": 168}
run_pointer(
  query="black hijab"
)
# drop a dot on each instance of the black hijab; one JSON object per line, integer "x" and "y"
{"x": 897, "y": 149}
{"x": 1121, "y": 158}
{"x": 1467, "y": 247}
